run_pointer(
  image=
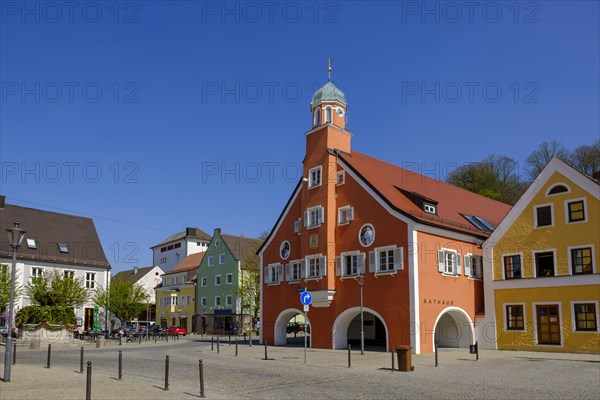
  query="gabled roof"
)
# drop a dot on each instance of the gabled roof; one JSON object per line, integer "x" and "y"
{"x": 554, "y": 165}
{"x": 134, "y": 275}
{"x": 189, "y": 264}
{"x": 189, "y": 233}
{"x": 48, "y": 229}
{"x": 241, "y": 246}
{"x": 393, "y": 183}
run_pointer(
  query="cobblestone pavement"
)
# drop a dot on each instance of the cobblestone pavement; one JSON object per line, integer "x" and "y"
{"x": 497, "y": 374}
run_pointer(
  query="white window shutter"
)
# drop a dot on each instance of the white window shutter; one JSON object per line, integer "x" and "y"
{"x": 267, "y": 274}
{"x": 350, "y": 214}
{"x": 338, "y": 266}
{"x": 458, "y": 257}
{"x": 340, "y": 212}
{"x": 280, "y": 267}
{"x": 361, "y": 263}
{"x": 372, "y": 262}
{"x": 303, "y": 268}
{"x": 305, "y": 219}
{"x": 399, "y": 258}
{"x": 478, "y": 267}
{"x": 441, "y": 267}
{"x": 322, "y": 266}
{"x": 321, "y": 216}
{"x": 468, "y": 271}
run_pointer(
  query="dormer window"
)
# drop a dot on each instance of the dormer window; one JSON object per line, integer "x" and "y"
{"x": 63, "y": 248}
{"x": 317, "y": 116}
{"x": 429, "y": 208}
{"x": 31, "y": 244}
{"x": 328, "y": 115}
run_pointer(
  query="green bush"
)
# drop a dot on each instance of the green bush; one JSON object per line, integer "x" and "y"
{"x": 56, "y": 315}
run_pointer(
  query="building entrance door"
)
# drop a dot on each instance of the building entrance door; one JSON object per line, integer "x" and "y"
{"x": 88, "y": 322}
{"x": 548, "y": 324}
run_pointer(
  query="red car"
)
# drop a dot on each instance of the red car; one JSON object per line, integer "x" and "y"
{"x": 176, "y": 330}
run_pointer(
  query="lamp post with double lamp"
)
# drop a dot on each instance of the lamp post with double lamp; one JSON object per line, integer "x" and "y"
{"x": 361, "y": 282}
{"x": 15, "y": 236}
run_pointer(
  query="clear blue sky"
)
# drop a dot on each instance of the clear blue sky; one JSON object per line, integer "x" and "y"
{"x": 132, "y": 122}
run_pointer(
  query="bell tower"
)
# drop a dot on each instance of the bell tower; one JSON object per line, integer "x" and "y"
{"x": 328, "y": 105}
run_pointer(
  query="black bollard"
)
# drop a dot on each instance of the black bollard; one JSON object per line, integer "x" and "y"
{"x": 81, "y": 360}
{"x": 49, "y": 353}
{"x": 212, "y": 343}
{"x": 436, "y": 354}
{"x": 236, "y": 347}
{"x": 349, "y": 356}
{"x": 201, "y": 372}
{"x": 244, "y": 337}
{"x": 167, "y": 338}
{"x": 140, "y": 339}
{"x": 120, "y": 340}
{"x": 476, "y": 351}
{"x": 120, "y": 365}
{"x": 14, "y": 360}
{"x": 393, "y": 351}
{"x": 218, "y": 347}
{"x": 266, "y": 357}
{"x": 154, "y": 338}
{"x": 230, "y": 338}
{"x": 88, "y": 382}
{"x": 167, "y": 373}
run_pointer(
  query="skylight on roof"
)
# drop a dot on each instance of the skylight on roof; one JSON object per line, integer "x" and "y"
{"x": 63, "y": 248}
{"x": 479, "y": 222}
{"x": 31, "y": 244}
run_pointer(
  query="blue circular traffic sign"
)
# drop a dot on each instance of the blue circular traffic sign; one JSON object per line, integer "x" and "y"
{"x": 305, "y": 298}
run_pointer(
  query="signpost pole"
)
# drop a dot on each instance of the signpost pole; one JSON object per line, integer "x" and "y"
{"x": 306, "y": 300}
{"x": 305, "y": 337}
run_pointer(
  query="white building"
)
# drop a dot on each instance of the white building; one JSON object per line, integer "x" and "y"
{"x": 171, "y": 251}
{"x": 54, "y": 241}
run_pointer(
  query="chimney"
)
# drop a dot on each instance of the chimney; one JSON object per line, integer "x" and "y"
{"x": 135, "y": 270}
{"x": 191, "y": 232}
{"x": 2, "y": 201}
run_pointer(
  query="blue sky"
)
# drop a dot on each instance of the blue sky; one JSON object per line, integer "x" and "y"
{"x": 150, "y": 116}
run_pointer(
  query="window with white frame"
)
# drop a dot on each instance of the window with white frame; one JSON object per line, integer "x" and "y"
{"x": 203, "y": 281}
{"x": 317, "y": 116}
{"x": 294, "y": 271}
{"x": 585, "y": 317}
{"x": 211, "y": 261}
{"x": 274, "y": 273}
{"x": 313, "y": 217}
{"x": 581, "y": 260}
{"x": 203, "y": 301}
{"x": 217, "y": 280}
{"x": 575, "y": 211}
{"x": 69, "y": 274}
{"x": 90, "y": 280}
{"x": 316, "y": 266}
{"x": 544, "y": 263}
{"x": 37, "y": 272}
{"x": 340, "y": 178}
{"x": 429, "y": 208}
{"x": 228, "y": 301}
{"x": 222, "y": 259}
{"x": 63, "y": 248}
{"x": 229, "y": 279}
{"x": 350, "y": 264}
{"x": 386, "y": 259}
{"x": 514, "y": 317}
{"x": 314, "y": 177}
{"x": 328, "y": 115}
{"x": 174, "y": 300}
{"x": 297, "y": 226}
{"x": 449, "y": 262}
{"x": 473, "y": 266}
{"x": 217, "y": 301}
{"x": 345, "y": 215}
{"x": 543, "y": 215}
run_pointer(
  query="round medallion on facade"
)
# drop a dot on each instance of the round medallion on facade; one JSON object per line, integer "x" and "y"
{"x": 284, "y": 250}
{"x": 366, "y": 235}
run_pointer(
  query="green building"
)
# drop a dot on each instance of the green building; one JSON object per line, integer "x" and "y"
{"x": 221, "y": 304}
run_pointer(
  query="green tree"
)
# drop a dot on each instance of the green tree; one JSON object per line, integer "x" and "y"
{"x": 586, "y": 158}
{"x": 495, "y": 177}
{"x": 124, "y": 299}
{"x": 5, "y": 286}
{"x": 249, "y": 288}
{"x": 537, "y": 160}
{"x": 57, "y": 289}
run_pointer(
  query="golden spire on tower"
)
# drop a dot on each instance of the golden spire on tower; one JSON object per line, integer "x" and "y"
{"x": 329, "y": 69}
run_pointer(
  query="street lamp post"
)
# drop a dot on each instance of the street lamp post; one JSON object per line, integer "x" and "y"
{"x": 15, "y": 236}
{"x": 251, "y": 292}
{"x": 361, "y": 283}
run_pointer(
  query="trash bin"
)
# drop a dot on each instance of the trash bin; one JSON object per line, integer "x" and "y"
{"x": 404, "y": 358}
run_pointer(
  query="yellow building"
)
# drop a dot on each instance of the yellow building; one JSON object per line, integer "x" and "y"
{"x": 175, "y": 296}
{"x": 542, "y": 283}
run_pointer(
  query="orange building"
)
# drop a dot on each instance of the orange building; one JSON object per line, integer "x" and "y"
{"x": 412, "y": 241}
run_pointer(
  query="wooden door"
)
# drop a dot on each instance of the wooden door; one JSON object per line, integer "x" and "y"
{"x": 548, "y": 324}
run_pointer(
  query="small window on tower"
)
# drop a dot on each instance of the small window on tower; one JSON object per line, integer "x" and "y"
{"x": 317, "y": 116}
{"x": 328, "y": 115}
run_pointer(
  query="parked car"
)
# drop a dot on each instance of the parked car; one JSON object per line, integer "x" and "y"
{"x": 293, "y": 327}
{"x": 176, "y": 330}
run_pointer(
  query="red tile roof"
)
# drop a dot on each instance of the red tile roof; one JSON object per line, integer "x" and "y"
{"x": 387, "y": 179}
{"x": 190, "y": 263}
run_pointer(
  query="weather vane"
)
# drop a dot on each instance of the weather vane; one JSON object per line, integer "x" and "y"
{"x": 329, "y": 69}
